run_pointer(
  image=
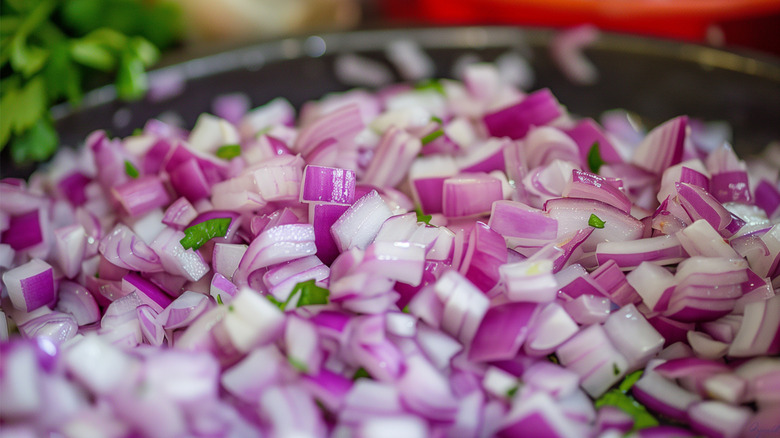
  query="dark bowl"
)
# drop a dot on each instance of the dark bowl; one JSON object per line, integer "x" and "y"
{"x": 655, "y": 79}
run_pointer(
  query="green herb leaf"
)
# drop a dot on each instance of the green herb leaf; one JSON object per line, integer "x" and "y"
{"x": 430, "y": 85}
{"x": 310, "y": 293}
{"x": 27, "y": 59}
{"x": 512, "y": 391}
{"x": 63, "y": 77}
{"x": 437, "y": 120}
{"x": 197, "y": 235}
{"x": 131, "y": 81}
{"x": 629, "y": 381}
{"x": 219, "y": 299}
{"x": 93, "y": 54}
{"x": 145, "y": 51}
{"x": 594, "y": 158}
{"x": 36, "y": 144}
{"x": 276, "y": 302}
{"x": 620, "y": 398}
{"x": 425, "y": 218}
{"x": 406, "y": 309}
{"x": 131, "y": 170}
{"x": 29, "y": 105}
{"x": 595, "y": 221}
{"x": 229, "y": 151}
{"x": 432, "y": 136}
{"x": 361, "y": 373}
{"x": 298, "y": 365}
{"x": 553, "y": 358}
{"x": 615, "y": 369}
{"x": 626, "y": 403}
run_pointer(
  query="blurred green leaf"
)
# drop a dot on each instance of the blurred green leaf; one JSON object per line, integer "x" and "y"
{"x": 27, "y": 59}
{"x": 83, "y": 15}
{"x": 6, "y": 107}
{"x": 131, "y": 81}
{"x": 163, "y": 26}
{"x": 9, "y": 24}
{"x": 29, "y": 105}
{"x": 62, "y": 75}
{"x": 92, "y": 54}
{"x": 145, "y": 51}
{"x": 108, "y": 37}
{"x": 36, "y": 144}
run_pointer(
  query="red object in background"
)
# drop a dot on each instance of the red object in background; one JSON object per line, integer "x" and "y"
{"x": 748, "y": 23}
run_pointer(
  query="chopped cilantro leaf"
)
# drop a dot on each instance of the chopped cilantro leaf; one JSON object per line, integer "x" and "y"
{"x": 553, "y": 358}
{"x": 310, "y": 293}
{"x": 437, "y": 120}
{"x": 298, "y": 365}
{"x": 512, "y": 391}
{"x": 619, "y": 398}
{"x": 595, "y": 221}
{"x": 138, "y": 131}
{"x": 430, "y": 84}
{"x": 197, "y": 235}
{"x": 629, "y": 380}
{"x": 219, "y": 299}
{"x": 229, "y": 151}
{"x": 594, "y": 158}
{"x": 615, "y": 369}
{"x": 277, "y": 303}
{"x": 131, "y": 170}
{"x": 425, "y": 218}
{"x": 626, "y": 403}
{"x": 432, "y": 136}
{"x": 406, "y": 309}
{"x": 361, "y": 373}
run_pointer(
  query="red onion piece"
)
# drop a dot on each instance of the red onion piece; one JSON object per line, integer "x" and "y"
{"x": 587, "y": 132}
{"x": 470, "y": 194}
{"x": 392, "y": 158}
{"x": 24, "y": 231}
{"x": 30, "y": 285}
{"x": 328, "y": 184}
{"x": 537, "y": 109}
{"x": 633, "y": 336}
{"x": 360, "y": 223}
{"x": 663, "y": 146}
{"x": 125, "y": 249}
{"x": 76, "y": 300}
{"x": 591, "y": 355}
{"x": 70, "y": 246}
{"x": 502, "y": 332}
{"x": 275, "y": 245}
{"x": 189, "y": 180}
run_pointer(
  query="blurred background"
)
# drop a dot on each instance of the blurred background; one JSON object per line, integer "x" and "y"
{"x": 753, "y": 24}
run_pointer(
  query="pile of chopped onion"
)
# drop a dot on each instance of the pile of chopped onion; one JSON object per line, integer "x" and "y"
{"x": 457, "y": 259}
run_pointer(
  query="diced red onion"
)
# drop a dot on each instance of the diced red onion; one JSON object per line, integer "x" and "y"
{"x": 360, "y": 223}
{"x": 502, "y": 332}
{"x": 537, "y": 109}
{"x": 592, "y": 356}
{"x": 328, "y": 184}
{"x": 30, "y": 285}
{"x": 663, "y": 146}
{"x": 77, "y": 301}
{"x": 471, "y": 194}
